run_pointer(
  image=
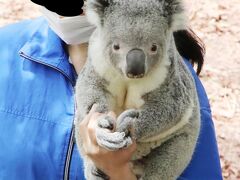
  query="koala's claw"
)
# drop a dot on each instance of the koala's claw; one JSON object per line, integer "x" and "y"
{"x": 126, "y": 120}
{"x": 106, "y": 122}
{"x": 131, "y": 113}
{"x": 112, "y": 141}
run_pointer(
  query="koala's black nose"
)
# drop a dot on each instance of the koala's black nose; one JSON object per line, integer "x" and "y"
{"x": 135, "y": 63}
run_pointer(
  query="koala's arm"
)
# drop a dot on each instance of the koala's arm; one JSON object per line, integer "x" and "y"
{"x": 166, "y": 109}
{"x": 169, "y": 159}
{"x": 89, "y": 91}
{"x": 159, "y": 117}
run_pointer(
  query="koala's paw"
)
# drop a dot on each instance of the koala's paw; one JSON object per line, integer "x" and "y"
{"x": 125, "y": 121}
{"x": 106, "y": 122}
{"x": 131, "y": 113}
{"x": 112, "y": 140}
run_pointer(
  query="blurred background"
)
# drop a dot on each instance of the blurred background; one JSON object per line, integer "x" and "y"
{"x": 217, "y": 23}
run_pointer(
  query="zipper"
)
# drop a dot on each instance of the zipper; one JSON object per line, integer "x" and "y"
{"x": 72, "y": 139}
{"x": 69, "y": 156}
{"x": 70, "y": 146}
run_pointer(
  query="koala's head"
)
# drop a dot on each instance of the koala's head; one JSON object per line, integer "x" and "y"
{"x": 135, "y": 34}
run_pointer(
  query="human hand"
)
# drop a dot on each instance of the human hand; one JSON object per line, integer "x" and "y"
{"x": 116, "y": 164}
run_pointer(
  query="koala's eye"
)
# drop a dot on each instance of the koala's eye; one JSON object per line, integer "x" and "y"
{"x": 116, "y": 47}
{"x": 154, "y": 48}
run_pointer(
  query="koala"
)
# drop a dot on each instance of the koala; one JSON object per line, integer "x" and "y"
{"x": 134, "y": 69}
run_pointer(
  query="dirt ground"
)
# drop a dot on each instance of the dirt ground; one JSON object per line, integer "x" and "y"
{"x": 217, "y": 23}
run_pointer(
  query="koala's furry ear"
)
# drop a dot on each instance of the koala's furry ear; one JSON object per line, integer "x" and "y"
{"x": 95, "y": 11}
{"x": 174, "y": 10}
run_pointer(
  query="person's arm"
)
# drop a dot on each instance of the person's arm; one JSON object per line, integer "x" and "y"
{"x": 63, "y": 8}
{"x": 115, "y": 164}
{"x": 205, "y": 162}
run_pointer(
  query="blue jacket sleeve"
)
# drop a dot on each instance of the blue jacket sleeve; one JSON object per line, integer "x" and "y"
{"x": 205, "y": 163}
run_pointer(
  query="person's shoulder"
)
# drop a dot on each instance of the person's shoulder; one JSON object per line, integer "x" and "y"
{"x": 13, "y": 37}
{"x": 202, "y": 95}
{"x": 14, "y": 34}
{"x": 23, "y": 24}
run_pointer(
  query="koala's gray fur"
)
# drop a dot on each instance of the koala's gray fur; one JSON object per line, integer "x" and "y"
{"x": 157, "y": 107}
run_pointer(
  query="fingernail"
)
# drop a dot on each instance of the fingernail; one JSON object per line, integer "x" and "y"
{"x": 94, "y": 107}
{"x": 112, "y": 114}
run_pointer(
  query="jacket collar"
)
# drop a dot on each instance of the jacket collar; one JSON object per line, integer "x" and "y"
{"x": 46, "y": 48}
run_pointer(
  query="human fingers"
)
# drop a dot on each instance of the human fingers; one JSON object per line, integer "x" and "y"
{"x": 88, "y": 134}
{"x": 86, "y": 119}
{"x": 86, "y": 129}
{"x": 112, "y": 114}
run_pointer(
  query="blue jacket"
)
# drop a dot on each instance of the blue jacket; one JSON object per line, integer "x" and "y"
{"x": 37, "y": 110}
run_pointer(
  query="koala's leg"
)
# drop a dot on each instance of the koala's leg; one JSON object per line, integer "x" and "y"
{"x": 169, "y": 160}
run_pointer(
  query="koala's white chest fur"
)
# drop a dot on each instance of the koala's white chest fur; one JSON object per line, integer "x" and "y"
{"x": 125, "y": 96}
{"x": 128, "y": 93}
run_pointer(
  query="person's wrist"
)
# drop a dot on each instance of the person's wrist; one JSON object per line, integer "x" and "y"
{"x": 125, "y": 172}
